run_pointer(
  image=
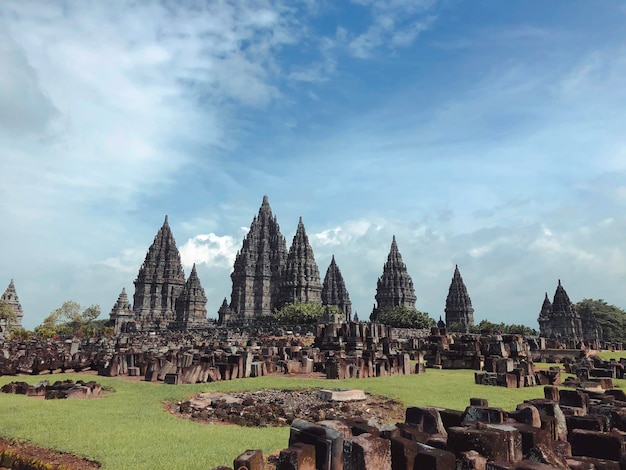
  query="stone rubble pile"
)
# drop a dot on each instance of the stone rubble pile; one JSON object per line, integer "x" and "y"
{"x": 58, "y": 390}
{"x": 568, "y": 429}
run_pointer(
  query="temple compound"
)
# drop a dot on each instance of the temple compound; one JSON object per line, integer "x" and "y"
{"x": 459, "y": 308}
{"x": 10, "y": 298}
{"x": 395, "y": 286}
{"x": 163, "y": 298}
{"x": 561, "y": 320}
{"x": 266, "y": 276}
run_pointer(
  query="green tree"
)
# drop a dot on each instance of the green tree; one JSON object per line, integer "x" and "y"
{"x": 68, "y": 321}
{"x": 404, "y": 317}
{"x": 302, "y": 313}
{"x": 611, "y": 318}
{"x": 7, "y": 313}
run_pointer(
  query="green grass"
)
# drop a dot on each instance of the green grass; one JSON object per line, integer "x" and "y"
{"x": 130, "y": 429}
{"x": 607, "y": 355}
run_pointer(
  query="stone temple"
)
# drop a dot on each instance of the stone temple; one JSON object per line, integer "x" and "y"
{"x": 560, "y": 319}
{"x": 163, "y": 298}
{"x": 10, "y": 298}
{"x": 334, "y": 290}
{"x": 266, "y": 276}
{"x": 458, "y": 303}
{"x": 258, "y": 266}
{"x": 300, "y": 277}
{"x": 395, "y": 286}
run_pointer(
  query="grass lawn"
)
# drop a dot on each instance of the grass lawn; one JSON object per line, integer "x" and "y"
{"x": 129, "y": 428}
{"x": 607, "y": 355}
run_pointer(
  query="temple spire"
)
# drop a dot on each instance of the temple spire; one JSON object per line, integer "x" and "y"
{"x": 459, "y": 308}
{"x": 300, "y": 279}
{"x": 159, "y": 282}
{"x": 191, "y": 304}
{"x": 334, "y": 290}
{"x": 257, "y": 267}
{"x": 395, "y": 286}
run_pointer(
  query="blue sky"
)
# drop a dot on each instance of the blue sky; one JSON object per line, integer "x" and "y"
{"x": 486, "y": 134}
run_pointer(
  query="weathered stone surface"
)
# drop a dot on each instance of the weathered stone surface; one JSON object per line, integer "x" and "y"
{"x": 328, "y": 443}
{"x": 366, "y": 452}
{"x": 159, "y": 282}
{"x": 497, "y": 442}
{"x": 334, "y": 290}
{"x": 395, "y": 286}
{"x": 258, "y": 265}
{"x": 603, "y": 445}
{"x": 10, "y": 298}
{"x": 297, "y": 457}
{"x": 300, "y": 277}
{"x": 561, "y": 320}
{"x": 122, "y": 317}
{"x": 459, "y": 308}
{"x": 249, "y": 460}
{"x": 191, "y": 304}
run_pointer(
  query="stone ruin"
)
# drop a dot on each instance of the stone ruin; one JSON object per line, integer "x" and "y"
{"x": 10, "y": 298}
{"x": 560, "y": 320}
{"x": 568, "y": 429}
{"x": 65, "y": 389}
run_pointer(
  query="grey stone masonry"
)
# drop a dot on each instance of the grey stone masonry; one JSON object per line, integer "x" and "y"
{"x": 458, "y": 303}
{"x": 395, "y": 286}
{"x": 300, "y": 279}
{"x": 122, "y": 314}
{"x": 257, "y": 268}
{"x": 191, "y": 304}
{"x": 10, "y": 298}
{"x": 159, "y": 282}
{"x": 334, "y": 290}
{"x": 561, "y": 320}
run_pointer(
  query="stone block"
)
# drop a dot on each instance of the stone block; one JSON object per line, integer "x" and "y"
{"x": 601, "y": 445}
{"x": 341, "y": 395}
{"x": 171, "y": 379}
{"x": 249, "y": 460}
{"x": 497, "y": 442}
{"x": 483, "y": 414}
{"x": 366, "y": 452}
{"x": 403, "y": 452}
{"x": 297, "y": 457}
{"x": 328, "y": 443}
{"x": 526, "y": 414}
{"x": 471, "y": 460}
{"x": 532, "y": 436}
{"x": 429, "y": 458}
{"x": 426, "y": 419}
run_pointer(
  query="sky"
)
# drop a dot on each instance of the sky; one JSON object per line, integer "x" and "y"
{"x": 482, "y": 133}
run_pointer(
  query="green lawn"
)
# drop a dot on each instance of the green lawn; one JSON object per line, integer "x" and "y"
{"x": 129, "y": 429}
{"x": 607, "y": 355}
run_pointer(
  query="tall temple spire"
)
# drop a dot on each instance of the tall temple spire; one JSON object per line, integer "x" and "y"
{"x": 10, "y": 298}
{"x": 159, "y": 282}
{"x": 257, "y": 267}
{"x": 191, "y": 304}
{"x": 300, "y": 279}
{"x": 458, "y": 303}
{"x": 334, "y": 290}
{"x": 395, "y": 286}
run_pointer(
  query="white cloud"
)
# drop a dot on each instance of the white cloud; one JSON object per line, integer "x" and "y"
{"x": 209, "y": 249}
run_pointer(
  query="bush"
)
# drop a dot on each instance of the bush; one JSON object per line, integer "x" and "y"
{"x": 404, "y": 317}
{"x": 300, "y": 313}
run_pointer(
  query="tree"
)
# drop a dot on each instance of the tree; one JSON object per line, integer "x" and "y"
{"x": 7, "y": 313}
{"x": 68, "y": 321}
{"x": 404, "y": 317}
{"x": 611, "y": 318}
{"x": 301, "y": 313}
